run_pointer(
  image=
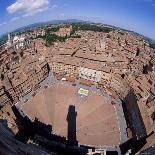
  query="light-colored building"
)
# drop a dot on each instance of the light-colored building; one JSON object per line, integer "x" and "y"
{"x": 90, "y": 74}
{"x": 17, "y": 42}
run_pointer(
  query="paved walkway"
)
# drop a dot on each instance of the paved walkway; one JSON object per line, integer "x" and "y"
{"x": 50, "y": 80}
{"x": 118, "y": 108}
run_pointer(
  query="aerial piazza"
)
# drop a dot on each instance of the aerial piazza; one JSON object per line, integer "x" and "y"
{"x": 77, "y": 86}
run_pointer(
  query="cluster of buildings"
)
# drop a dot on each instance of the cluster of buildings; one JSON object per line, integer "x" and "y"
{"x": 88, "y": 58}
{"x": 116, "y": 62}
{"x": 17, "y": 42}
{"x": 21, "y": 71}
{"x": 20, "y": 81}
{"x": 64, "y": 31}
{"x": 34, "y": 33}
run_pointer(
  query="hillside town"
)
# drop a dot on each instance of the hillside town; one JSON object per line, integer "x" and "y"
{"x": 117, "y": 62}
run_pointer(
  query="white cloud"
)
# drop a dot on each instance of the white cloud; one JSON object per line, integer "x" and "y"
{"x": 4, "y": 23}
{"x": 14, "y": 19}
{"x": 54, "y": 6}
{"x": 28, "y": 7}
{"x": 62, "y": 14}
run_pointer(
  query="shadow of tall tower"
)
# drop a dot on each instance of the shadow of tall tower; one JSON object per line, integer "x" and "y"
{"x": 71, "y": 119}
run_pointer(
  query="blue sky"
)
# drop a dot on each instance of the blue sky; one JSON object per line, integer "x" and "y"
{"x": 136, "y": 15}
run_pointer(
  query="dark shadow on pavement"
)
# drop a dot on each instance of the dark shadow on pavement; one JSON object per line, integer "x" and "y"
{"x": 71, "y": 119}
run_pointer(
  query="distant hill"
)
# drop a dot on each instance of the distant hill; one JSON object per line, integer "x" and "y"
{"x": 3, "y": 37}
{"x": 40, "y": 24}
{"x": 69, "y": 21}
